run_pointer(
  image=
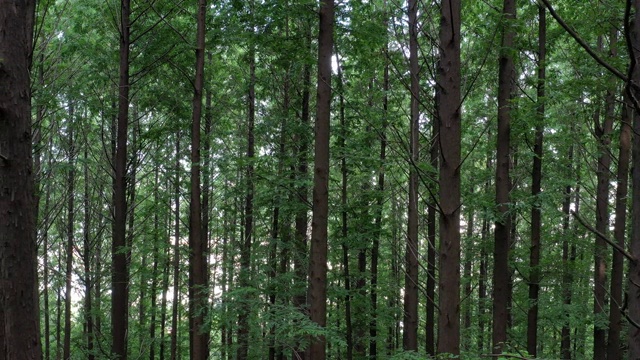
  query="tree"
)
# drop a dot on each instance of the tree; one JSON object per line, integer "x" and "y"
{"x": 19, "y": 329}
{"x": 501, "y": 271}
{"x": 449, "y": 119}
{"x": 410, "y": 332}
{"x": 536, "y": 216}
{"x": 319, "y": 221}
{"x": 197, "y": 239}
{"x": 119, "y": 262}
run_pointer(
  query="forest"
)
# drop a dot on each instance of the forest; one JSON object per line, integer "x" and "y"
{"x": 303, "y": 179}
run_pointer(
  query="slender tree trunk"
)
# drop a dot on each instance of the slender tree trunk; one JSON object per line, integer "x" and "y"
{"x": 176, "y": 256}
{"x": 615, "y": 319}
{"x": 468, "y": 263}
{"x": 434, "y": 153}
{"x": 319, "y": 222}
{"x": 197, "y": 245}
{"x": 302, "y": 191}
{"x": 503, "y": 183}
{"x": 603, "y": 132}
{"x": 375, "y": 248}
{"x": 120, "y": 271}
{"x": 634, "y": 245}
{"x": 45, "y": 276}
{"x": 71, "y": 153}
{"x": 482, "y": 284}
{"x": 410, "y": 322}
{"x": 245, "y": 249}
{"x": 536, "y": 218}
{"x": 19, "y": 323}
{"x": 154, "y": 272}
{"x": 567, "y": 271}
{"x": 449, "y": 113}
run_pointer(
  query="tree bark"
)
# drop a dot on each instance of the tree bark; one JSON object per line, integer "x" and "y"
{"x": 120, "y": 270}
{"x": 633, "y": 37}
{"x": 71, "y": 153}
{"x": 319, "y": 221}
{"x": 19, "y": 323}
{"x": 410, "y": 321}
{"x": 197, "y": 244}
{"x": 501, "y": 272}
{"x": 536, "y": 188}
{"x": 624, "y": 157}
{"x": 602, "y": 132}
{"x": 176, "y": 256}
{"x": 449, "y": 118}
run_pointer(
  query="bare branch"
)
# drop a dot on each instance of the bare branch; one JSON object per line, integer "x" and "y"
{"x": 622, "y": 251}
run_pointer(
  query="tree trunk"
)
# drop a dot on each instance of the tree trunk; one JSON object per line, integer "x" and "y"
{"x": 197, "y": 244}
{"x": 176, "y": 256}
{"x": 410, "y": 322}
{"x": 156, "y": 259}
{"x": 19, "y": 323}
{"x": 501, "y": 272}
{"x": 120, "y": 271}
{"x": 602, "y": 132}
{"x": 375, "y": 248}
{"x": 634, "y": 244}
{"x": 448, "y": 78}
{"x": 536, "y": 218}
{"x": 71, "y": 177}
{"x": 301, "y": 217}
{"x": 319, "y": 222}
{"x": 617, "y": 264}
{"x": 567, "y": 264}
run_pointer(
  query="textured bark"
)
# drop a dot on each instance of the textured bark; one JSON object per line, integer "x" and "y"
{"x": 603, "y": 132}
{"x": 501, "y": 272}
{"x": 197, "y": 240}
{"x": 624, "y": 157}
{"x": 430, "y": 336}
{"x": 410, "y": 321}
{"x": 319, "y": 221}
{"x": 634, "y": 245}
{"x": 120, "y": 270}
{"x": 449, "y": 113}
{"x": 19, "y": 323}
{"x": 536, "y": 218}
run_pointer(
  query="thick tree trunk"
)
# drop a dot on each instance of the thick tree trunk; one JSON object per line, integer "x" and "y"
{"x": 634, "y": 244}
{"x": 501, "y": 272}
{"x": 197, "y": 244}
{"x": 410, "y": 321}
{"x": 120, "y": 270}
{"x": 449, "y": 113}
{"x": 536, "y": 216}
{"x": 615, "y": 317}
{"x": 19, "y": 323}
{"x": 319, "y": 222}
